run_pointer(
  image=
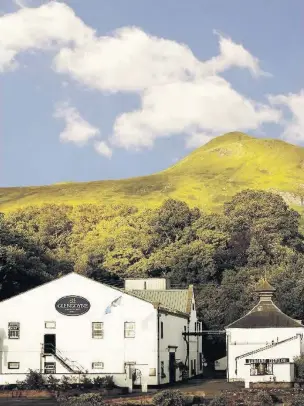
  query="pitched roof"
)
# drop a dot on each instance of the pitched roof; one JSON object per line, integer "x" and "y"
{"x": 174, "y": 299}
{"x": 264, "y": 286}
{"x": 265, "y": 315}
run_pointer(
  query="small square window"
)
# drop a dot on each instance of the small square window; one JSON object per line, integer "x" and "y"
{"x": 50, "y": 324}
{"x": 129, "y": 329}
{"x": 97, "y": 365}
{"x": 13, "y": 330}
{"x": 50, "y": 367}
{"x": 13, "y": 365}
{"x": 97, "y": 329}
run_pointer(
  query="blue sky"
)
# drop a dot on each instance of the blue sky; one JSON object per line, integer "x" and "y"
{"x": 102, "y": 89}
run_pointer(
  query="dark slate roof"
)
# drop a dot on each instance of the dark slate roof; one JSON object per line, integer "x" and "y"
{"x": 265, "y": 315}
{"x": 172, "y": 299}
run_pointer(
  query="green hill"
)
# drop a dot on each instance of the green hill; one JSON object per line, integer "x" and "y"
{"x": 205, "y": 178}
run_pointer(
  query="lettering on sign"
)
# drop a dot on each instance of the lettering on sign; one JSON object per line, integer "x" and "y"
{"x": 72, "y": 305}
{"x": 267, "y": 361}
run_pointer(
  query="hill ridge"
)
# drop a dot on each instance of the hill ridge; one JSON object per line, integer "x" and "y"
{"x": 206, "y": 178}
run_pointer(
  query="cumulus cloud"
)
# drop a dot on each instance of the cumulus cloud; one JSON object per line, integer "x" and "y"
{"x": 77, "y": 130}
{"x": 294, "y": 128}
{"x": 179, "y": 93}
{"x": 49, "y": 26}
{"x": 103, "y": 149}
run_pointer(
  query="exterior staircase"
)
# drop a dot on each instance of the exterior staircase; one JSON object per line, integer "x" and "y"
{"x": 71, "y": 366}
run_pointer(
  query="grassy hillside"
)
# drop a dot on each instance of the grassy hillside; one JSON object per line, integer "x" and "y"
{"x": 206, "y": 178}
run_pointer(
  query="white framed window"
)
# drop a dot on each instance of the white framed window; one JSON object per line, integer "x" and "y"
{"x": 13, "y": 330}
{"x": 97, "y": 329}
{"x": 50, "y": 324}
{"x": 50, "y": 367}
{"x": 97, "y": 365}
{"x": 129, "y": 329}
{"x": 13, "y": 365}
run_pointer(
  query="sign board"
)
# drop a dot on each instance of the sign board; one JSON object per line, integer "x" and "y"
{"x": 72, "y": 305}
{"x": 267, "y": 361}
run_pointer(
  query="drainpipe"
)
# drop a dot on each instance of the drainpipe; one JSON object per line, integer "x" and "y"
{"x": 158, "y": 355}
{"x": 227, "y": 355}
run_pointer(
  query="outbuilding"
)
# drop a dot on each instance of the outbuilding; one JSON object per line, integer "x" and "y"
{"x": 262, "y": 345}
{"x": 74, "y": 325}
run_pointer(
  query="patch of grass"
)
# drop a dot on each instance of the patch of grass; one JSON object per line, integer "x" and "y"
{"x": 206, "y": 178}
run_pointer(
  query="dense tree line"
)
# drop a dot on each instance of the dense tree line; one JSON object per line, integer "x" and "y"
{"x": 222, "y": 254}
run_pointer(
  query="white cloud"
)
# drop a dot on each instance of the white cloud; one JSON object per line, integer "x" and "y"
{"x": 76, "y": 130}
{"x": 49, "y": 26}
{"x": 179, "y": 93}
{"x": 294, "y": 129}
{"x": 210, "y": 105}
{"x": 103, "y": 149}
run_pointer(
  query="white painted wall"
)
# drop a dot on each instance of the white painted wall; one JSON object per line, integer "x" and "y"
{"x": 74, "y": 334}
{"x": 242, "y": 341}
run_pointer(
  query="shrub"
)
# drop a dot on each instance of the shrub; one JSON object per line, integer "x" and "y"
{"x": 299, "y": 367}
{"x": 262, "y": 398}
{"x": 52, "y": 382}
{"x": 108, "y": 382}
{"x": 169, "y": 398}
{"x": 98, "y": 382}
{"x": 298, "y": 400}
{"x": 89, "y": 399}
{"x": 220, "y": 400}
{"x": 86, "y": 382}
{"x": 33, "y": 380}
{"x": 65, "y": 383}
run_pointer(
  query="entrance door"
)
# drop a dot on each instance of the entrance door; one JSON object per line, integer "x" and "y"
{"x": 172, "y": 369}
{"x": 50, "y": 343}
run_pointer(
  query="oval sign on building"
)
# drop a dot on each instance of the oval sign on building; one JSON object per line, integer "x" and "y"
{"x": 72, "y": 305}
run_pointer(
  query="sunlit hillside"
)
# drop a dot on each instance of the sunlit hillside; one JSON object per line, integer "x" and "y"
{"x": 205, "y": 178}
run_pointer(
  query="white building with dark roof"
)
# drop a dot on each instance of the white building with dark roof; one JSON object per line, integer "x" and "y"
{"x": 75, "y": 325}
{"x": 262, "y": 345}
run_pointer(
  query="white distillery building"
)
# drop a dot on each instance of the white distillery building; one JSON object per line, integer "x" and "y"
{"x": 262, "y": 345}
{"x": 75, "y": 325}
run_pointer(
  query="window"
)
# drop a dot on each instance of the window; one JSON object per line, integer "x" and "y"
{"x": 97, "y": 329}
{"x": 50, "y": 367}
{"x": 13, "y": 365}
{"x": 262, "y": 368}
{"x": 192, "y": 306}
{"x": 13, "y": 330}
{"x": 145, "y": 285}
{"x": 161, "y": 329}
{"x": 97, "y": 365}
{"x": 195, "y": 326}
{"x": 50, "y": 324}
{"x": 185, "y": 329}
{"x": 129, "y": 329}
{"x": 192, "y": 367}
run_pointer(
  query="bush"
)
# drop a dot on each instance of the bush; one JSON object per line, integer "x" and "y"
{"x": 89, "y": 399}
{"x": 86, "y": 382}
{"x": 52, "y": 382}
{"x": 65, "y": 383}
{"x": 98, "y": 382}
{"x": 108, "y": 382}
{"x": 169, "y": 398}
{"x": 33, "y": 380}
{"x": 298, "y": 400}
{"x": 299, "y": 367}
{"x": 263, "y": 398}
{"x": 220, "y": 400}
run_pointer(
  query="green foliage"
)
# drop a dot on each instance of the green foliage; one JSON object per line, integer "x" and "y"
{"x": 169, "y": 397}
{"x": 108, "y": 382}
{"x": 262, "y": 398}
{"x": 33, "y": 380}
{"x": 299, "y": 367}
{"x": 220, "y": 400}
{"x": 90, "y": 399}
{"x": 298, "y": 400}
{"x": 52, "y": 383}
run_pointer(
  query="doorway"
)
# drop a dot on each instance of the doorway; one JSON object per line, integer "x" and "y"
{"x": 172, "y": 369}
{"x": 50, "y": 343}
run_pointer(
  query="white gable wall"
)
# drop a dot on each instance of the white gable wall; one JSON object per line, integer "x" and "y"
{"x": 74, "y": 333}
{"x": 241, "y": 341}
